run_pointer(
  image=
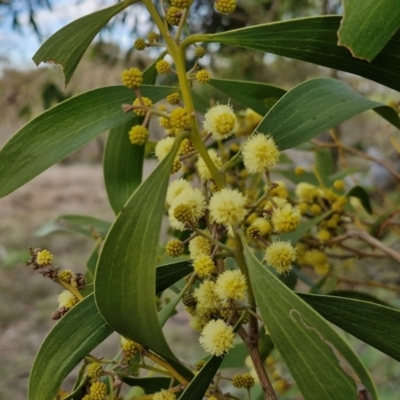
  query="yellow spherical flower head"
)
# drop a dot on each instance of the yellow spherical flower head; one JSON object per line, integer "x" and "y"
{"x": 316, "y": 259}
{"x": 204, "y": 266}
{"x": 203, "y": 76}
{"x": 227, "y": 207}
{"x": 98, "y": 391}
{"x": 174, "y": 248}
{"x": 163, "y": 147}
{"x": 285, "y": 219}
{"x": 163, "y": 67}
{"x": 175, "y": 188}
{"x": 138, "y": 135}
{"x": 44, "y": 257}
{"x": 207, "y": 299}
{"x": 186, "y": 147}
{"x": 225, "y": 6}
{"x": 66, "y": 276}
{"x": 132, "y": 78}
{"x": 251, "y": 119}
{"x": 231, "y": 285}
{"x": 220, "y": 121}
{"x": 173, "y": 15}
{"x": 299, "y": 171}
{"x": 198, "y": 322}
{"x": 217, "y": 337}
{"x": 339, "y": 204}
{"x": 338, "y": 185}
{"x": 188, "y": 206}
{"x": 315, "y": 209}
{"x": 280, "y": 255}
{"x": 243, "y": 381}
{"x": 140, "y": 112}
{"x": 174, "y": 98}
{"x": 139, "y": 44}
{"x": 202, "y": 168}
{"x": 199, "y": 246}
{"x": 165, "y": 122}
{"x": 66, "y": 299}
{"x": 253, "y": 232}
{"x": 324, "y": 235}
{"x": 260, "y": 153}
{"x": 94, "y": 370}
{"x": 164, "y": 395}
{"x": 306, "y": 192}
{"x": 153, "y": 37}
{"x": 129, "y": 350}
{"x": 280, "y": 190}
{"x": 180, "y": 119}
{"x": 200, "y": 52}
{"x": 263, "y": 225}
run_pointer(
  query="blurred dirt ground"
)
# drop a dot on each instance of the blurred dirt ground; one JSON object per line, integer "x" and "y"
{"x": 27, "y": 300}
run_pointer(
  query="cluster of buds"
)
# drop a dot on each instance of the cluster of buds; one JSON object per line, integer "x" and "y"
{"x": 42, "y": 261}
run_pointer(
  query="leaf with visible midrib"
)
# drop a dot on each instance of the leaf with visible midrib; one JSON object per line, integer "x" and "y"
{"x": 315, "y": 354}
{"x": 61, "y": 130}
{"x": 77, "y": 334}
{"x": 375, "y": 324}
{"x": 199, "y": 385}
{"x": 123, "y": 161}
{"x": 88, "y": 226}
{"x": 67, "y": 46}
{"x": 72, "y": 338}
{"x": 314, "y": 106}
{"x": 125, "y": 274}
{"x": 258, "y": 96}
{"x": 314, "y": 39}
{"x": 367, "y": 25}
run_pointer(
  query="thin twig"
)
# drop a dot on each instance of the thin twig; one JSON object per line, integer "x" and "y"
{"x": 375, "y": 243}
{"x": 359, "y": 153}
{"x": 370, "y": 283}
{"x": 265, "y": 383}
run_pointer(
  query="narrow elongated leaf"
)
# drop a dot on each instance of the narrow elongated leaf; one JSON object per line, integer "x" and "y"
{"x": 123, "y": 161}
{"x": 314, "y": 40}
{"x": 367, "y": 25}
{"x": 123, "y": 165}
{"x": 126, "y": 274}
{"x": 72, "y": 338}
{"x": 357, "y": 295}
{"x": 324, "y": 164}
{"x": 88, "y": 226}
{"x": 149, "y": 385}
{"x": 67, "y": 46}
{"x": 199, "y": 385}
{"x": 168, "y": 310}
{"x": 168, "y": 274}
{"x": 63, "y": 129}
{"x": 322, "y": 364}
{"x": 375, "y": 324}
{"x": 257, "y": 96}
{"x": 303, "y": 228}
{"x": 308, "y": 177}
{"x": 361, "y": 194}
{"x": 235, "y": 357}
{"x": 314, "y": 106}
